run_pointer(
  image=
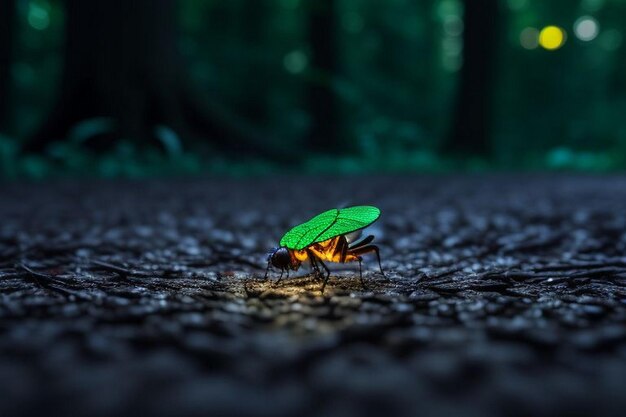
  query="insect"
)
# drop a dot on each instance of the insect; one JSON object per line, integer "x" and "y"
{"x": 326, "y": 238}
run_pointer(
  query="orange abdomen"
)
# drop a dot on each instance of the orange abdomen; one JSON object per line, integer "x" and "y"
{"x": 326, "y": 251}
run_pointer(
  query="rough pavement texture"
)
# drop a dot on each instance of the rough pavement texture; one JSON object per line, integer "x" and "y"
{"x": 504, "y": 295}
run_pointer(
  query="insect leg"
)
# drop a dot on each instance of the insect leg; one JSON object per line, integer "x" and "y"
{"x": 314, "y": 267}
{"x": 313, "y": 264}
{"x": 280, "y": 277}
{"x": 361, "y": 272}
{"x": 327, "y": 274}
{"x": 342, "y": 248}
{"x": 367, "y": 249}
{"x": 267, "y": 270}
{"x": 365, "y": 241}
{"x": 313, "y": 258}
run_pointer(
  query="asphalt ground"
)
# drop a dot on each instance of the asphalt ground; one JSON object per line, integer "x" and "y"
{"x": 503, "y": 295}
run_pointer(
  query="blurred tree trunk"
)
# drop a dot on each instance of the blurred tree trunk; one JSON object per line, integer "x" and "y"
{"x": 471, "y": 124}
{"x": 323, "y": 106}
{"x": 122, "y": 63}
{"x": 617, "y": 82}
{"x": 7, "y": 30}
{"x": 255, "y": 74}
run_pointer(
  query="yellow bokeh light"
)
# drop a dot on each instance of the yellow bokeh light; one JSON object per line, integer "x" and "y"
{"x": 551, "y": 37}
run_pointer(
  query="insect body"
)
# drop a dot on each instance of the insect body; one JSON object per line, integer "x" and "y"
{"x": 324, "y": 238}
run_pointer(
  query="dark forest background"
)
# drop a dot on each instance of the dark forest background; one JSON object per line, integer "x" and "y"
{"x": 159, "y": 87}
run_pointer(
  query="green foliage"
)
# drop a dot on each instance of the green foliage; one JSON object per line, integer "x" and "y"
{"x": 399, "y": 66}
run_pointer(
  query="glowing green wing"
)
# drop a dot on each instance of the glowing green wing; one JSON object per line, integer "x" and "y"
{"x": 304, "y": 234}
{"x": 329, "y": 224}
{"x": 349, "y": 220}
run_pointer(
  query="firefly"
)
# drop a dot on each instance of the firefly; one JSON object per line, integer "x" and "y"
{"x": 326, "y": 237}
